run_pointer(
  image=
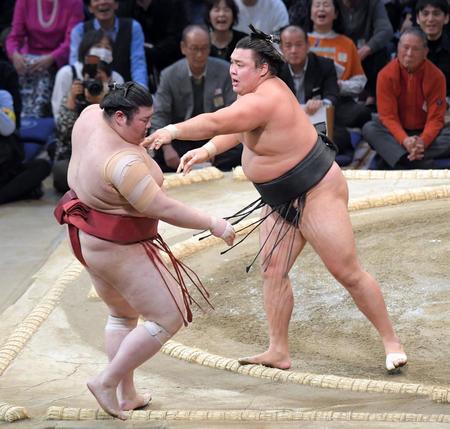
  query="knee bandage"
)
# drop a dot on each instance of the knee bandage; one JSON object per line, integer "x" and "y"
{"x": 121, "y": 323}
{"x": 130, "y": 175}
{"x": 157, "y": 331}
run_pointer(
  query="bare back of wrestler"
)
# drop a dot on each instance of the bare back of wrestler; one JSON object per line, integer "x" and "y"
{"x": 111, "y": 173}
{"x": 277, "y": 136}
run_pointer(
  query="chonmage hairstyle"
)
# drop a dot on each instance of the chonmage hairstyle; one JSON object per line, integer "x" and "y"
{"x": 127, "y": 98}
{"x": 263, "y": 46}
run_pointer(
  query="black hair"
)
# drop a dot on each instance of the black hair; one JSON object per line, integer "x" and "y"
{"x": 415, "y": 31}
{"x": 127, "y": 97}
{"x": 264, "y": 50}
{"x": 90, "y": 39}
{"x": 209, "y": 4}
{"x": 439, "y": 4}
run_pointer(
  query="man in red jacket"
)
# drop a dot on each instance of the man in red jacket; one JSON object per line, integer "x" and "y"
{"x": 411, "y": 90}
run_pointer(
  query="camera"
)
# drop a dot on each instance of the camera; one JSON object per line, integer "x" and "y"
{"x": 93, "y": 85}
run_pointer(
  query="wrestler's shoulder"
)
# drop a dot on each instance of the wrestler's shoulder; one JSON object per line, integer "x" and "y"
{"x": 137, "y": 152}
{"x": 90, "y": 109}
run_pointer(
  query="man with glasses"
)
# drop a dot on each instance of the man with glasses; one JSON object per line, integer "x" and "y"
{"x": 193, "y": 85}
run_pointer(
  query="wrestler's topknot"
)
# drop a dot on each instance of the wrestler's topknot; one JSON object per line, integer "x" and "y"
{"x": 126, "y": 97}
{"x": 263, "y": 45}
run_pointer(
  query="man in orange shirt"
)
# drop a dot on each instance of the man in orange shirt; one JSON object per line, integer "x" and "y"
{"x": 411, "y": 91}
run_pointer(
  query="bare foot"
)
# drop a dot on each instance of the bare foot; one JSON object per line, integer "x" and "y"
{"x": 139, "y": 401}
{"x": 106, "y": 397}
{"x": 395, "y": 355}
{"x": 269, "y": 359}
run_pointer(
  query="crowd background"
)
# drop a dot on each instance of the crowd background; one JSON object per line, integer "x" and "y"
{"x": 58, "y": 56}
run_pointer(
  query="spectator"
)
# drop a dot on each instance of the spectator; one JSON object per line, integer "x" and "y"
{"x": 220, "y": 17}
{"x": 366, "y": 22}
{"x": 410, "y": 131}
{"x": 326, "y": 40}
{"x": 268, "y": 16}
{"x": 96, "y": 43}
{"x": 95, "y": 74}
{"x": 127, "y": 36}
{"x": 162, "y": 22}
{"x": 312, "y": 79}
{"x": 38, "y": 45}
{"x": 18, "y": 180}
{"x": 432, "y": 16}
{"x": 193, "y": 85}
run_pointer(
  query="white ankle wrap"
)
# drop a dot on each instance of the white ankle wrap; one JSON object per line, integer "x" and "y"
{"x": 121, "y": 323}
{"x": 157, "y": 331}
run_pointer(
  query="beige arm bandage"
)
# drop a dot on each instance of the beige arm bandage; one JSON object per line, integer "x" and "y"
{"x": 211, "y": 148}
{"x": 130, "y": 175}
{"x": 173, "y": 130}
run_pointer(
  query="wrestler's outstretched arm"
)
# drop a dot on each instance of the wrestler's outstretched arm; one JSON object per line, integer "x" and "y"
{"x": 247, "y": 113}
{"x": 215, "y": 146}
{"x": 130, "y": 175}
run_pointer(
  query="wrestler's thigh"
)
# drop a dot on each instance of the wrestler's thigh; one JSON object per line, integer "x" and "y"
{"x": 130, "y": 272}
{"x": 327, "y": 227}
{"x": 280, "y": 243}
{"x": 118, "y": 306}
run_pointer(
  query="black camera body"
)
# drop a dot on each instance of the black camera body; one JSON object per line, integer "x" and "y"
{"x": 93, "y": 85}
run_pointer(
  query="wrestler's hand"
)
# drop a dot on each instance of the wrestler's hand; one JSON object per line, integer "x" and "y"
{"x": 222, "y": 229}
{"x": 157, "y": 139}
{"x": 194, "y": 156}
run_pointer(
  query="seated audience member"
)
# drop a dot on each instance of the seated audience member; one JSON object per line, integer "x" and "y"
{"x": 195, "y": 84}
{"x": 366, "y": 22}
{"x": 95, "y": 43}
{"x": 268, "y": 16}
{"x": 162, "y": 22}
{"x": 410, "y": 131}
{"x": 325, "y": 40}
{"x": 312, "y": 79}
{"x": 220, "y": 17}
{"x": 91, "y": 90}
{"x": 127, "y": 36}
{"x": 38, "y": 45}
{"x": 18, "y": 180}
{"x": 432, "y": 16}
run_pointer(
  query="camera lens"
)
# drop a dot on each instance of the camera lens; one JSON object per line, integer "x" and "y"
{"x": 94, "y": 86}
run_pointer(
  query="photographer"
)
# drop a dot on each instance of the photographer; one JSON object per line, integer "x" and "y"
{"x": 91, "y": 90}
{"x": 94, "y": 42}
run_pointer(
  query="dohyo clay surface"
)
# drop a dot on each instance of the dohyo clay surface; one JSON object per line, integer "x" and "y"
{"x": 51, "y": 325}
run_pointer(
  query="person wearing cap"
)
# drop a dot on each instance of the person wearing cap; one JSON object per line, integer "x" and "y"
{"x": 76, "y": 87}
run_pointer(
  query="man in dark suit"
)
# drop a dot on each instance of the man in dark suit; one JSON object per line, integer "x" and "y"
{"x": 311, "y": 78}
{"x": 193, "y": 85}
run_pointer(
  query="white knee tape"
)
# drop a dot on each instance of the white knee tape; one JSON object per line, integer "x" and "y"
{"x": 120, "y": 323}
{"x": 157, "y": 331}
